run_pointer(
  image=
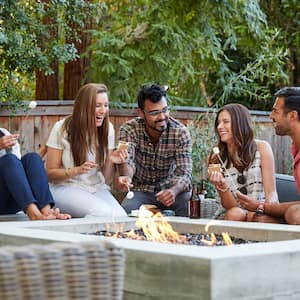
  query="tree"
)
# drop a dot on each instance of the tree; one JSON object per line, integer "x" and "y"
{"x": 285, "y": 15}
{"x": 209, "y": 52}
{"x": 27, "y": 42}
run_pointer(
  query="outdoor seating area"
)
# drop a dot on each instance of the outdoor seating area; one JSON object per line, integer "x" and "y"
{"x": 149, "y": 150}
{"x": 152, "y": 270}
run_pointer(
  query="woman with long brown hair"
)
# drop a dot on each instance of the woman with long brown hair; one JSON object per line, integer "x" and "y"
{"x": 80, "y": 160}
{"x": 247, "y": 166}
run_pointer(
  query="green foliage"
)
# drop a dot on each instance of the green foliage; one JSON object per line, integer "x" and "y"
{"x": 32, "y": 37}
{"x": 209, "y": 52}
{"x": 202, "y": 131}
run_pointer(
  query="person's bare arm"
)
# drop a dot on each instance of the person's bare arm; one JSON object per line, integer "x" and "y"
{"x": 57, "y": 173}
{"x": 268, "y": 171}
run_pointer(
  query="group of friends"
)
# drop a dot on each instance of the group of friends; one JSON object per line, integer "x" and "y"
{"x": 83, "y": 162}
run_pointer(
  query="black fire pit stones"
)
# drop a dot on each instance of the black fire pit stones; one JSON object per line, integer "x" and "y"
{"x": 195, "y": 239}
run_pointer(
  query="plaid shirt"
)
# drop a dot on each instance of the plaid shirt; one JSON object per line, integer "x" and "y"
{"x": 162, "y": 166}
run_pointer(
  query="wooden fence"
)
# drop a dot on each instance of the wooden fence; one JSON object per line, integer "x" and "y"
{"x": 36, "y": 125}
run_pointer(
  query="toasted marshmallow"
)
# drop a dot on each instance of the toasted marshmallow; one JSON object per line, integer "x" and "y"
{"x": 122, "y": 145}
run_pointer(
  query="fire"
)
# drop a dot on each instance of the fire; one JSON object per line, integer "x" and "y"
{"x": 157, "y": 228}
{"x": 213, "y": 239}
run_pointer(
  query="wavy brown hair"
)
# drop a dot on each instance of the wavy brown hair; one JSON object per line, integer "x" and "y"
{"x": 243, "y": 135}
{"x": 82, "y": 132}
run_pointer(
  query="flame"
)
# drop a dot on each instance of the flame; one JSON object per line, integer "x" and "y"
{"x": 227, "y": 239}
{"x": 213, "y": 241}
{"x": 157, "y": 228}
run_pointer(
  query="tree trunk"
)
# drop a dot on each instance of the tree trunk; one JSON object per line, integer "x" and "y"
{"x": 75, "y": 72}
{"x": 46, "y": 86}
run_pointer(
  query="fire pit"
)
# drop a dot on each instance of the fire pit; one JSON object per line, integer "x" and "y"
{"x": 264, "y": 270}
{"x": 156, "y": 228}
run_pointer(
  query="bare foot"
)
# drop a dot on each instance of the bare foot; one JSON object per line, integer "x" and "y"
{"x": 34, "y": 213}
{"x": 59, "y": 215}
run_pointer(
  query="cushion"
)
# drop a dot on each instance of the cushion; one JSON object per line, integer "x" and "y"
{"x": 286, "y": 188}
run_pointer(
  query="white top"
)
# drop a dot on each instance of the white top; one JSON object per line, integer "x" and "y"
{"x": 15, "y": 149}
{"x": 253, "y": 184}
{"x": 94, "y": 178}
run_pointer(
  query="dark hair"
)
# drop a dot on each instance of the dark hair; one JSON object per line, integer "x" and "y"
{"x": 242, "y": 131}
{"x": 153, "y": 93}
{"x": 291, "y": 97}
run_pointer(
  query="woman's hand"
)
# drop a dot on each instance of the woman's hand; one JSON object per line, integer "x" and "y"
{"x": 8, "y": 141}
{"x": 119, "y": 156}
{"x": 217, "y": 178}
{"x": 246, "y": 202}
{"x": 85, "y": 167}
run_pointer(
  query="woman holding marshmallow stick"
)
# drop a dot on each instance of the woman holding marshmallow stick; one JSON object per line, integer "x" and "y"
{"x": 24, "y": 183}
{"x": 81, "y": 159}
{"x": 247, "y": 167}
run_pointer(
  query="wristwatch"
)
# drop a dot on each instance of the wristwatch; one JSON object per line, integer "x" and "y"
{"x": 260, "y": 209}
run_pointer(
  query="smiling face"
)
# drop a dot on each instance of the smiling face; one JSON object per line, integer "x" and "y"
{"x": 102, "y": 108}
{"x": 224, "y": 127}
{"x": 155, "y": 115}
{"x": 280, "y": 118}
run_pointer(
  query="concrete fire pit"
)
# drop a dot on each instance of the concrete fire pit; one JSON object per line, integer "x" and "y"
{"x": 265, "y": 270}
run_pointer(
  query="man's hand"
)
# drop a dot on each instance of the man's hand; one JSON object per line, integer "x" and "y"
{"x": 166, "y": 197}
{"x": 119, "y": 156}
{"x": 123, "y": 183}
{"x": 247, "y": 202}
{"x": 8, "y": 141}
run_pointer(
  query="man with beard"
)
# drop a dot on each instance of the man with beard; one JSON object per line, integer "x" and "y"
{"x": 286, "y": 118}
{"x": 159, "y": 166}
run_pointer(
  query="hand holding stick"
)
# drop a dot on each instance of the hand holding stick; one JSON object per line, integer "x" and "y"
{"x": 217, "y": 153}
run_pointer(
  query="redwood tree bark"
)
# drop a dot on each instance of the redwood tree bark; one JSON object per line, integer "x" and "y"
{"x": 75, "y": 72}
{"x": 46, "y": 87}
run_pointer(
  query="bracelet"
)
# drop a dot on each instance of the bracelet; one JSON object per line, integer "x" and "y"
{"x": 260, "y": 210}
{"x": 222, "y": 190}
{"x": 67, "y": 174}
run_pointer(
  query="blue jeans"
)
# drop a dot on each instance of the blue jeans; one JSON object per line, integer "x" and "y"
{"x": 23, "y": 182}
{"x": 180, "y": 206}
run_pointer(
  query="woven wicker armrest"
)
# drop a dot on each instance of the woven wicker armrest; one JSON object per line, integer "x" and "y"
{"x": 62, "y": 271}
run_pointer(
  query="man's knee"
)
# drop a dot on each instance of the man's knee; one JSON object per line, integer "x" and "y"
{"x": 182, "y": 203}
{"x": 292, "y": 215}
{"x": 130, "y": 204}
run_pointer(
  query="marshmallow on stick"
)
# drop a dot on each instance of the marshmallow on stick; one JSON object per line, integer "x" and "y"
{"x": 31, "y": 105}
{"x": 216, "y": 151}
{"x": 130, "y": 194}
{"x": 122, "y": 145}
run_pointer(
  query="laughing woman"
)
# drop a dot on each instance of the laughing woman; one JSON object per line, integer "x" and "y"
{"x": 249, "y": 166}
{"x": 80, "y": 160}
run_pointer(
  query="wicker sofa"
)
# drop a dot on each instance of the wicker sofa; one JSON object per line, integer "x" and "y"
{"x": 62, "y": 271}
